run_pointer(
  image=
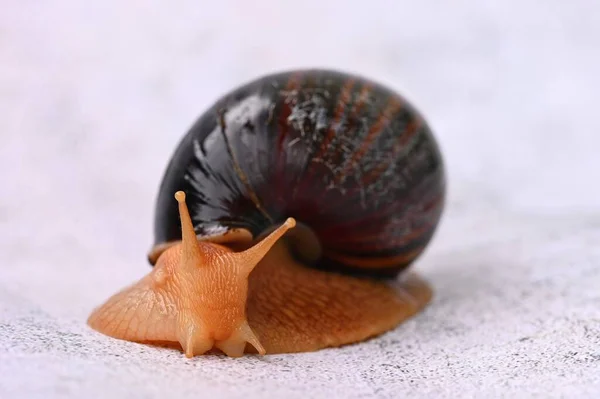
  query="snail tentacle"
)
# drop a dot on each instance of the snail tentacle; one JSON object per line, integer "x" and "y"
{"x": 248, "y": 259}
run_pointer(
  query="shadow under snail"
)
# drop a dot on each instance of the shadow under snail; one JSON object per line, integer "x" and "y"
{"x": 286, "y": 220}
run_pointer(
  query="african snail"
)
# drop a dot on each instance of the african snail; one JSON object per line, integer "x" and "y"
{"x": 348, "y": 159}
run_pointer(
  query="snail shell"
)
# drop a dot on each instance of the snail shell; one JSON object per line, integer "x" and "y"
{"x": 351, "y": 161}
{"x": 344, "y": 156}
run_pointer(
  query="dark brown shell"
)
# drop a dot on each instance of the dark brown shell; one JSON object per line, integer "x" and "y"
{"x": 342, "y": 154}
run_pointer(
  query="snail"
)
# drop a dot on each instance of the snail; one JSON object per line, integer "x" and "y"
{"x": 286, "y": 221}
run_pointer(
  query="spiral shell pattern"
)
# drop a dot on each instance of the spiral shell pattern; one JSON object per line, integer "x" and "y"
{"x": 342, "y": 154}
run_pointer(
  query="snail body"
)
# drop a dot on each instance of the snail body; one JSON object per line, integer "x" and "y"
{"x": 300, "y": 198}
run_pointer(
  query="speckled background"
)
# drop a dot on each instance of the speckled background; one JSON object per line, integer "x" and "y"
{"x": 94, "y": 97}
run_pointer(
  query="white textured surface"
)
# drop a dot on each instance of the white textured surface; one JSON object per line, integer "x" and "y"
{"x": 94, "y": 97}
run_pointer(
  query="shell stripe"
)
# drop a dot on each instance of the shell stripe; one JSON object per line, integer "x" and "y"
{"x": 369, "y": 240}
{"x": 344, "y": 99}
{"x": 292, "y": 84}
{"x": 403, "y": 139}
{"x": 374, "y": 262}
{"x": 340, "y": 112}
{"x": 427, "y": 183}
{"x": 343, "y": 107}
{"x": 240, "y": 173}
{"x": 392, "y": 107}
{"x": 430, "y": 195}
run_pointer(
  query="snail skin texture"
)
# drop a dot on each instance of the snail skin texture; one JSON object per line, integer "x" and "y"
{"x": 286, "y": 220}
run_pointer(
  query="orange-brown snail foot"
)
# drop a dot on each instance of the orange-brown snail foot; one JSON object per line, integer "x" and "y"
{"x": 203, "y": 295}
{"x": 293, "y": 308}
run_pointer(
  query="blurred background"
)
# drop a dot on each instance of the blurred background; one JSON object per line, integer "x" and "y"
{"x": 94, "y": 97}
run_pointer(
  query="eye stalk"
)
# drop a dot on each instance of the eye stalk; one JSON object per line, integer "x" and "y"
{"x": 190, "y": 250}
